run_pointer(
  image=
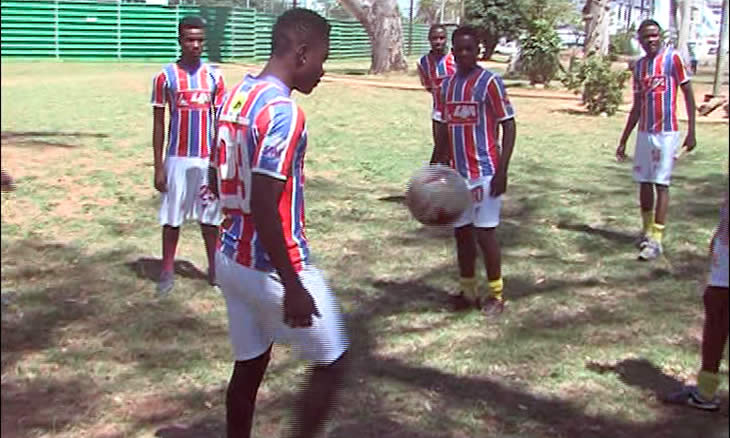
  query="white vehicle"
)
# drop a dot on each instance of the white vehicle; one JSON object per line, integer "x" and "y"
{"x": 506, "y": 47}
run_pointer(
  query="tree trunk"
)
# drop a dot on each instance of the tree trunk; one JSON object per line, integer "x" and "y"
{"x": 595, "y": 15}
{"x": 382, "y": 22}
{"x": 683, "y": 38}
{"x": 490, "y": 41}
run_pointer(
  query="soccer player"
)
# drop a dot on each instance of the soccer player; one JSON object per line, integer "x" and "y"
{"x": 192, "y": 90}
{"x": 715, "y": 333}
{"x": 273, "y": 293}
{"x": 656, "y": 78}
{"x": 475, "y": 106}
{"x": 433, "y": 67}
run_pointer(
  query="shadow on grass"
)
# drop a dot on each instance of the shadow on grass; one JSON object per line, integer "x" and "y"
{"x": 150, "y": 268}
{"x": 35, "y": 138}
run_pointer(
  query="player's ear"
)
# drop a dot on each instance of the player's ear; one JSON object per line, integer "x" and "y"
{"x": 301, "y": 54}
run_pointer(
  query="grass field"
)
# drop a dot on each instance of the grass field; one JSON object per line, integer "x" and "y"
{"x": 591, "y": 337}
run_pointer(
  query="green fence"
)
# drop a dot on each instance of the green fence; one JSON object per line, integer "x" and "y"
{"x": 119, "y": 30}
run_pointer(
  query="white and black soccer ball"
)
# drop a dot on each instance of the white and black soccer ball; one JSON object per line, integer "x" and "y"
{"x": 437, "y": 195}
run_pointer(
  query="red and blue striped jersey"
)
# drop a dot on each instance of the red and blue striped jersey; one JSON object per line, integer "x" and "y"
{"x": 260, "y": 129}
{"x": 473, "y": 105}
{"x": 192, "y": 96}
{"x": 433, "y": 70}
{"x": 655, "y": 90}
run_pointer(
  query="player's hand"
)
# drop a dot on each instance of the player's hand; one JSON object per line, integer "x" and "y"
{"x": 161, "y": 180}
{"x": 498, "y": 185}
{"x": 299, "y": 306}
{"x": 690, "y": 142}
{"x": 621, "y": 152}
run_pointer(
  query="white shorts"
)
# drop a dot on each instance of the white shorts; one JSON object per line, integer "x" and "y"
{"x": 254, "y": 300}
{"x": 654, "y": 157}
{"x": 484, "y": 210}
{"x": 719, "y": 266}
{"x": 188, "y": 196}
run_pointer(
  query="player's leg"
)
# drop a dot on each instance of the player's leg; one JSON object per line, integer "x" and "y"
{"x": 251, "y": 340}
{"x": 241, "y": 394}
{"x": 714, "y": 338}
{"x": 172, "y": 213}
{"x": 317, "y": 398}
{"x": 489, "y": 244}
{"x": 466, "y": 257}
{"x": 210, "y": 239}
{"x": 170, "y": 238}
{"x": 662, "y": 206}
{"x": 646, "y": 204}
{"x": 324, "y": 345}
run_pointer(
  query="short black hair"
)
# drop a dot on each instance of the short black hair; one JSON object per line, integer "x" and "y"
{"x": 435, "y": 27}
{"x": 648, "y": 22}
{"x": 302, "y": 24}
{"x": 465, "y": 31}
{"x": 190, "y": 21}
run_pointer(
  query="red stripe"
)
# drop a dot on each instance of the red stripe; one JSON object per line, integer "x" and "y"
{"x": 252, "y": 96}
{"x": 244, "y": 242}
{"x": 294, "y": 138}
{"x": 658, "y": 97}
{"x": 287, "y": 225}
{"x": 681, "y": 77}
{"x": 204, "y": 115}
{"x": 643, "y": 73}
{"x": 470, "y": 145}
{"x": 160, "y": 89}
{"x": 262, "y": 126}
{"x": 184, "y": 128}
{"x": 491, "y": 124}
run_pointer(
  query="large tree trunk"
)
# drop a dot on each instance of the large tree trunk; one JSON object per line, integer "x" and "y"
{"x": 382, "y": 22}
{"x": 595, "y": 15}
{"x": 684, "y": 11}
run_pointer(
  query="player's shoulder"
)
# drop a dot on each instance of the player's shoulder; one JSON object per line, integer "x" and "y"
{"x": 166, "y": 70}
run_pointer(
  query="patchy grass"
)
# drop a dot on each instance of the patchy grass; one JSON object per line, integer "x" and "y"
{"x": 591, "y": 336}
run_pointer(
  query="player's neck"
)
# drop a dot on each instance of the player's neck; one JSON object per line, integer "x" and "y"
{"x": 466, "y": 72}
{"x": 438, "y": 54}
{"x": 280, "y": 71}
{"x": 189, "y": 62}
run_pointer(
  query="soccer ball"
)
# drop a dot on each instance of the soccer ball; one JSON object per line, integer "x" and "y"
{"x": 437, "y": 195}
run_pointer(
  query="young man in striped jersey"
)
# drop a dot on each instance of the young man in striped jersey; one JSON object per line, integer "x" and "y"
{"x": 475, "y": 107}
{"x": 434, "y": 67}
{"x": 192, "y": 90}
{"x": 656, "y": 79}
{"x": 273, "y": 293}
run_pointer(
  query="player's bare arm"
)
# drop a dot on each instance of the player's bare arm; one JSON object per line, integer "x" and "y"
{"x": 158, "y": 141}
{"x": 689, "y": 101}
{"x": 499, "y": 181}
{"x": 265, "y": 194}
{"x": 441, "y": 148}
{"x": 630, "y": 125}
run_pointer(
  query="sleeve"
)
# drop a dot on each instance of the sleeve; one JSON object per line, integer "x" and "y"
{"x": 498, "y": 99}
{"x": 636, "y": 81}
{"x": 678, "y": 69}
{"x": 159, "y": 90}
{"x": 422, "y": 76}
{"x": 439, "y": 99}
{"x": 279, "y": 129}
{"x": 220, "y": 91}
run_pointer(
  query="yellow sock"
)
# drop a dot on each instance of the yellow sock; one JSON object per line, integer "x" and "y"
{"x": 468, "y": 286}
{"x": 647, "y": 218}
{"x": 707, "y": 384}
{"x": 657, "y": 232}
{"x": 495, "y": 288}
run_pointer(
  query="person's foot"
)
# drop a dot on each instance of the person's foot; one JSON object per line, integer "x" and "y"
{"x": 690, "y": 396}
{"x": 641, "y": 240}
{"x": 650, "y": 250}
{"x": 493, "y": 307}
{"x": 459, "y": 302}
{"x": 165, "y": 284}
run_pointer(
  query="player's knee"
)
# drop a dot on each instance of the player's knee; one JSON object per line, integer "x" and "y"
{"x": 661, "y": 188}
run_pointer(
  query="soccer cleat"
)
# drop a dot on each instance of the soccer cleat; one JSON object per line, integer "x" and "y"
{"x": 165, "y": 284}
{"x": 459, "y": 302}
{"x": 650, "y": 251}
{"x": 493, "y": 307}
{"x": 641, "y": 240}
{"x": 690, "y": 396}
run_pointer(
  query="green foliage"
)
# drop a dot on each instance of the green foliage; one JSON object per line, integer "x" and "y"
{"x": 601, "y": 86}
{"x": 540, "y": 47}
{"x": 621, "y": 44}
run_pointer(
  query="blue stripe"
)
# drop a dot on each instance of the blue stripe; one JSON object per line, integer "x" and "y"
{"x": 231, "y": 236}
{"x": 650, "y": 97}
{"x": 173, "y": 127}
{"x": 480, "y": 93}
{"x": 261, "y": 260}
{"x": 668, "y": 92}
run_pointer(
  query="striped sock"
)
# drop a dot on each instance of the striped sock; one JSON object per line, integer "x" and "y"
{"x": 647, "y": 219}
{"x": 707, "y": 384}
{"x": 468, "y": 286}
{"x": 495, "y": 288}
{"x": 657, "y": 232}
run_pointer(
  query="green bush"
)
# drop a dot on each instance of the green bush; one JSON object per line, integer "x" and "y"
{"x": 621, "y": 44}
{"x": 602, "y": 87}
{"x": 540, "y": 47}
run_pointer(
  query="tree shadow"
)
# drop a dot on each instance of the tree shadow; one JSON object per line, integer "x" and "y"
{"x": 201, "y": 429}
{"x": 606, "y": 233}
